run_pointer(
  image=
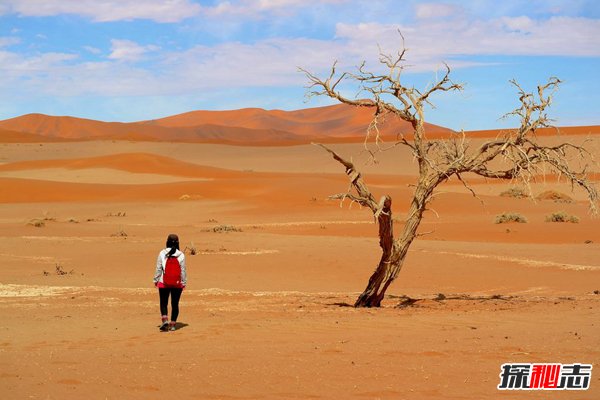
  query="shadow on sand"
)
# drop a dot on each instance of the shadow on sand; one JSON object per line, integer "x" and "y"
{"x": 178, "y": 326}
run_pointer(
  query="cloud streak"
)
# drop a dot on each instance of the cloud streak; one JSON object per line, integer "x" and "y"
{"x": 105, "y": 10}
{"x": 127, "y": 50}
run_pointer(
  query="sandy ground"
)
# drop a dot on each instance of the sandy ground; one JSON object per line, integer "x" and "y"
{"x": 266, "y": 313}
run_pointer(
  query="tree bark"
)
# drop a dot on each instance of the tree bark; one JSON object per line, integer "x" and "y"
{"x": 394, "y": 251}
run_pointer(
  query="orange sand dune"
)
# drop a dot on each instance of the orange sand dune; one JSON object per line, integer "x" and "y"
{"x": 135, "y": 162}
{"x": 8, "y": 136}
{"x": 331, "y": 121}
{"x": 247, "y": 126}
{"x": 564, "y": 130}
{"x": 252, "y": 126}
{"x": 85, "y": 129}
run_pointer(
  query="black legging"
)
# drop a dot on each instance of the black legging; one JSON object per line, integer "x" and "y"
{"x": 164, "y": 301}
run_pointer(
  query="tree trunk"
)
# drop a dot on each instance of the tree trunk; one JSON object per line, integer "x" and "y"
{"x": 394, "y": 251}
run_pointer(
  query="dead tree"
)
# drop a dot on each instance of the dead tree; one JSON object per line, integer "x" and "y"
{"x": 515, "y": 155}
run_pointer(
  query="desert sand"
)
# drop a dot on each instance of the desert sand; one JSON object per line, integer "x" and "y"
{"x": 266, "y": 312}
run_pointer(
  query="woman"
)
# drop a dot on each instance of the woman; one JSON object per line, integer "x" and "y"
{"x": 170, "y": 278}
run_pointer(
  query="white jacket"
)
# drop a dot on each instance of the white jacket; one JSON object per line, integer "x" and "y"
{"x": 161, "y": 261}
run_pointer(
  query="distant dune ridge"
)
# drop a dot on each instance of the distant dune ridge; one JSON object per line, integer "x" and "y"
{"x": 245, "y": 126}
{"x": 251, "y": 126}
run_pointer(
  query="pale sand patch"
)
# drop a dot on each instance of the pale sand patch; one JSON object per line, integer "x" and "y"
{"x": 240, "y": 253}
{"x": 94, "y": 175}
{"x": 35, "y": 259}
{"x": 523, "y": 261}
{"x": 304, "y": 223}
{"x": 11, "y": 290}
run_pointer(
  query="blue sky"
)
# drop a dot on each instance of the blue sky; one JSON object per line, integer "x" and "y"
{"x": 129, "y": 60}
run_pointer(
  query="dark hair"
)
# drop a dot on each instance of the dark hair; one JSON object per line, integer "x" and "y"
{"x": 173, "y": 244}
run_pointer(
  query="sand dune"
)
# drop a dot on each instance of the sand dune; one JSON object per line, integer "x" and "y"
{"x": 142, "y": 163}
{"x": 336, "y": 121}
{"x": 84, "y": 129}
{"x": 561, "y": 130}
{"x": 246, "y": 126}
{"x": 251, "y": 126}
{"x": 8, "y": 136}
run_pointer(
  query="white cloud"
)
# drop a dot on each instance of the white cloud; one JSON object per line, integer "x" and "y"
{"x": 127, "y": 50}
{"x": 436, "y": 10}
{"x": 440, "y": 40}
{"x": 92, "y": 49}
{"x": 9, "y": 41}
{"x": 255, "y": 8}
{"x": 105, "y": 10}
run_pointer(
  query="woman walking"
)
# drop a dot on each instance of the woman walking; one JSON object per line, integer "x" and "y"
{"x": 170, "y": 278}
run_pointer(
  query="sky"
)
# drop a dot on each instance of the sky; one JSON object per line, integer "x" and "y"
{"x": 132, "y": 60}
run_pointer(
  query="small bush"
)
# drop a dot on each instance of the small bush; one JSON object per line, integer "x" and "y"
{"x": 118, "y": 214}
{"x": 555, "y": 196}
{"x": 191, "y": 249}
{"x": 38, "y": 223}
{"x": 562, "y": 217}
{"x": 73, "y": 220}
{"x": 185, "y": 197}
{"x": 515, "y": 192}
{"x": 119, "y": 233}
{"x": 58, "y": 270}
{"x": 47, "y": 216}
{"x": 510, "y": 217}
{"x": 226, "y": 228}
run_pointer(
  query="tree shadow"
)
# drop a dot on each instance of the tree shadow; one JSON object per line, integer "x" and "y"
{"x": 341, "y": 304}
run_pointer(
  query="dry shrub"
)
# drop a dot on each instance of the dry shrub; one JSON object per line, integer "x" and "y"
{"x": 191, "y": 249}
{"x": 119, "y": 233}
{"x": 226, "y": 228}
{"x": 118, "y": 214}
{"x": 555, "y": 196}
{"x": 58, "y": 270}
{"x": 562, "y": 216}
{"x": 185, "y": 197}
{"x": 515, "y": 192}
{"x": 38, "y": 223}
{"x": 510, "y": 217}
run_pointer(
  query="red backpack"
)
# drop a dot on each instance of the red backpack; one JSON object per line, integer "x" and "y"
{"x": 172, "y": 273}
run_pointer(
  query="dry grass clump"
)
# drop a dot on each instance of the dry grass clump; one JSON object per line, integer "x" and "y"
{"x": 555, "y": 196}
{"x": 38, "y": 223}
{"x": 41, "y": 222}
{"x": 119, "y": 233}
{"x": 58, "y": 270}
{"x": 225, "y": 228}
{"x": 510, "y": 217}
{"x": 515, "y": 192}
{"x": 562, "y": 216}
{"x": 191, "y": 249}
{"x": 117, "y": 214}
